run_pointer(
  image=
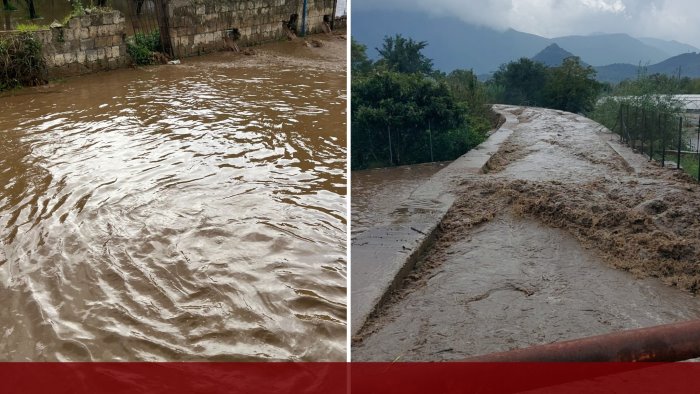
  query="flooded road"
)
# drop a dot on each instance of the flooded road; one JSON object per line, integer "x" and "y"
{"x": 376, "y": 192}
{"x": 565, "y": 236}
{"x": 192, "y": 212}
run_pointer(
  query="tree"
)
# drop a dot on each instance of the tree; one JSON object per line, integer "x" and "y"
{"x": 359, "y": 63}
{"x": 571, "y": 87}
{"x": 32, "y": 10}
{"x": 521, "y": 82}
{"x": 404, "y": 55}
{"x": 398, "y": 117}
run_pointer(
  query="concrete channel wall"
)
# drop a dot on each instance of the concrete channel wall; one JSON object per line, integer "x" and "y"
{"x": 200, "y": 26}
{"x": 84, "y": 44}
{"x": 382, "y": 256}
{"x": 97, "y": 41}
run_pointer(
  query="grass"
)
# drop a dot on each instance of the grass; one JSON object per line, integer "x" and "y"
{"x": 689, "y": 164}
{"x": 29, "y": 27}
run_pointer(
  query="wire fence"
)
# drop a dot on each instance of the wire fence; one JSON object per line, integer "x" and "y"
{"x": 672, "y": 140}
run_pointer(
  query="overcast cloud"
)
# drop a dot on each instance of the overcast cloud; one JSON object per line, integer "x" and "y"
{"x": 666, "y": 19}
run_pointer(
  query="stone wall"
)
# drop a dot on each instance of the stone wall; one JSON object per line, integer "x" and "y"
{"x": 85, "y": 44}
{"x": 97, "y": 41}
{"x": 200, "y": 26}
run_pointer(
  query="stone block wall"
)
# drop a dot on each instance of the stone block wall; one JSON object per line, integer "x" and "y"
{"x": 199, "y": 26}
{"x": 85, "y": 44}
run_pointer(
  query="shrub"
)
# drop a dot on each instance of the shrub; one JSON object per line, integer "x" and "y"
{"x": 142, "y": 47}
{"x": 21, "y": 62}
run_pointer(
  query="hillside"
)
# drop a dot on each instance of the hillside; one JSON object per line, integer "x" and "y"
{"x": 689, "y": 64}
{"x": 552, "y": 56}
{"x": 602, "y": 49}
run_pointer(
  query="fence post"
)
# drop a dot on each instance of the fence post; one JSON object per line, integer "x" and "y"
{"x": 644, "y": 129}
{"x": 621, "y": 122}
{"x": 697, "y": 147}
{"x": 627, "y": 124}
{"x": 391, "y": 154}
{"x": 680, "y": 131}
{"x": 430, "y": 133}
{"x": 634, "y": 129}
{"x": 651, "y": 138}
{"x": 663, "y": 140}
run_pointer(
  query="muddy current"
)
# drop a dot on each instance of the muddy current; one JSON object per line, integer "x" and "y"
{"x": 190, "y": 212}
{"x": 375, "y": 192}
{"x": 566, "y": 235}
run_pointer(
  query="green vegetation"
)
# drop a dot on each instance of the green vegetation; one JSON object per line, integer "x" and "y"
{"x": 404, "y": 112}
{"x": 646, "y": 114}
{"x": 402, "y": 55}
{"x": 650, "y": 93}
{"x": 142, "y": 47}
{"x": 21, "y": 62}
{"x": 569, "y": 87}
{"x": 28, "y": 27}
{"x": 78, "y": 10}
{"x": 7, "y": 6}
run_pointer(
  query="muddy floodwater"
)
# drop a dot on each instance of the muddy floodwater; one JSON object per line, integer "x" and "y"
{"x": 191, "y": 212}
{"x": 376, "y": 192}
{"x": 567, "y": 234}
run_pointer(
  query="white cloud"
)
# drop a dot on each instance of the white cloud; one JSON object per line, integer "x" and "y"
{"x": 665, "y": 19}
{"x": 605, "y": 6}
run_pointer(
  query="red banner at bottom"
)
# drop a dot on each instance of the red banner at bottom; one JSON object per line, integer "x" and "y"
{"x": 330, "y": 378}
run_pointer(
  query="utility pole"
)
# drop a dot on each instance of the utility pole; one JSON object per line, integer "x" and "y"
{"x": 335, "y": 4}
{"x": 303, "y": 20}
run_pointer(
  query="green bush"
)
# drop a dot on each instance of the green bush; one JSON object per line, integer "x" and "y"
{"x": 21, "y": 61}
{"x": 142, "y": 47}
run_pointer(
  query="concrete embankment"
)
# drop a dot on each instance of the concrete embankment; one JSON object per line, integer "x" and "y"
{"x": 383, "y": 255}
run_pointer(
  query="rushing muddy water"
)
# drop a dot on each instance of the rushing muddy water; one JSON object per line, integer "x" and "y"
{"x": 178, "y": 212}
{"x": 535, "y": 250}
{"x": 376, "y": 192}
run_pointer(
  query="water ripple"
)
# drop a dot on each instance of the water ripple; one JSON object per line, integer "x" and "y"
{"x": 175, "y": 213}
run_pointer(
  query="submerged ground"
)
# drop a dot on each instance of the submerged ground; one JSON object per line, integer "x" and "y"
{"x": 562, "y": 238}
{"x": 189, "y": 212}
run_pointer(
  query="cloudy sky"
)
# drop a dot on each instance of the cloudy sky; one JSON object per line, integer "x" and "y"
{"x": 666, "y": 19}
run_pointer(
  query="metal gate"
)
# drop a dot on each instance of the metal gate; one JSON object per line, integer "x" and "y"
{"x": 148, "y": 16}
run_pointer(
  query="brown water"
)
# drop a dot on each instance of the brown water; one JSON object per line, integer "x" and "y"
{"x": 376, "y": 192}
{"x": 177, "y": 212}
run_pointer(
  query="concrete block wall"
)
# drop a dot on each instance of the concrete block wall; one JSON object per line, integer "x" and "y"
{"x": 85, "y": 44}
{"x": 199, "y": 26}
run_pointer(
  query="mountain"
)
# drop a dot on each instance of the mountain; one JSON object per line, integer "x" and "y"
{"x": 552, "y": 56}
{"x": 605, "y": 49}
{"x": 688, "y": 64}
{"x": 453, "y": 43}
{"x": 670, "y": 47}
